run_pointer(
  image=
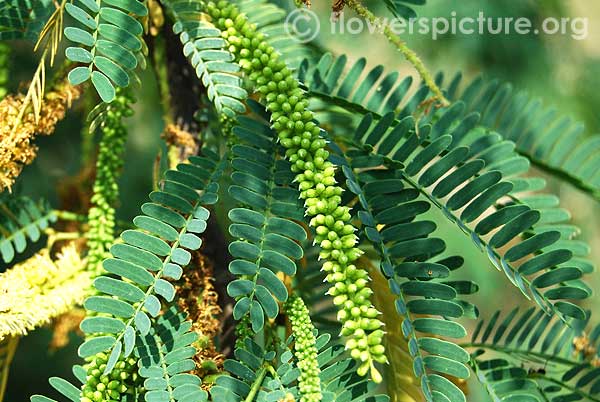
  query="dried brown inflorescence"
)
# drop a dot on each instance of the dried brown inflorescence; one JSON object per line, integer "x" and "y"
{"x": 287, "y": 398}
{"x": 16, "y": 137}
{"x": 306, "y": 3}
{"x": 156, "y": 18}
{"x": 583, "y": 346}
{"x": 197, "y": 297}
{"x": 182, "y": 144}
{"x": 338, "y": 6}
{"x": 64, "y": 326}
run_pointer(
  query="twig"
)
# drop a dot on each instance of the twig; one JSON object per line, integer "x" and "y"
{"x": 70, "y": 216}
{"x": 257, "y": 384}
{"x": 407, "y": 52}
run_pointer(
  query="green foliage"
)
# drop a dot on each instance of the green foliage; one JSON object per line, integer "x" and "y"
{"x": 415, "y": 270}
{"x": 4, "y": 68}
{"x": 23, "y": 19}
{"x": 109, "y": 43}
{"x": 203, "y": 46}
{"x": 350, "y": 87}
{"x": 266, "y": 234}
{"x": 486, "y": 162}
{"x": 553, "y": 142}
{"x": 256, "y": 373}
{"x": 403, "y": 8}
{"x": 269, "y": 375}
{"x": 406, "y": 152}
{"x": 158, "y": 249}
{"x": 165, "y": 360}
{"x": 485, "y": 188}
{"x": 21, "y": 221}
{"x": 305, "y": 149}
{"x": 540, "y": 359}
{"x": 101, "y": 216}
{"x": 339, "y": 380}
{"x": 308, "y": 215}
{"x": 104, "y": 383}
{"x": 164, "y": 356}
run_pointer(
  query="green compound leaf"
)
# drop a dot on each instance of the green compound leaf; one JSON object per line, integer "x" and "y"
{"x": 110, "y": 39}
{"x": 165, "y": 355}
{"x": 204, "y": 47}
{"x": 24, "y": 19}
{"x": 514, "y": 352}
{"x": 267, "y": 234}
{"x": 410, "y": 261}
{"x": 128, "y": 297}
{"x": 104, "y": 87}
{"x": 141, "y": 261}
{"x": 65, "y": 388}
{"x": 22, "y": 221}
{"x": 483, "y": 167}
{"x": 337, "y": 374}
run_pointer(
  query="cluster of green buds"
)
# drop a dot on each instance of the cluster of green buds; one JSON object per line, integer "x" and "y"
{"x": 305, "y": 351}
{"x": 243, "y": 331}
{"x": 122, "y": 380}
{"x": 101, "y": 215}
{"x": 306, "y": 150}
{"x": 4, "y": 59}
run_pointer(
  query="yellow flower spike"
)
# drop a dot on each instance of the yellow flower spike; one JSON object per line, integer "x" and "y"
{"x": 39, "y": 289}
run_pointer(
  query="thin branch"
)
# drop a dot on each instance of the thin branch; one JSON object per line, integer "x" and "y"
{"x": 517, "y": 351}
{"x": 257, "y": 384}
{"x": 407, "y": 52}
{"x": 70, "y": 216}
